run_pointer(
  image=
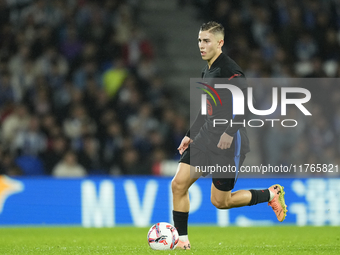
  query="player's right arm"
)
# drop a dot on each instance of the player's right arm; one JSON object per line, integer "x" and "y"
{"x": 196, "y": 126}
{"x": 184, "y": 144}
{"x": 192, "y": 132}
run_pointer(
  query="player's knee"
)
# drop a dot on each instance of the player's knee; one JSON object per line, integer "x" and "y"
{"x": 178, "y": 186}
{"x": 220, "y": 203}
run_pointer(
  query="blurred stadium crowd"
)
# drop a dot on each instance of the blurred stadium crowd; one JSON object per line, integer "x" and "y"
{"x": 80, "y": 92}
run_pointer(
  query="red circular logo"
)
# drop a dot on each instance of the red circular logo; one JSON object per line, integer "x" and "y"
{"x": 209, "y": 108}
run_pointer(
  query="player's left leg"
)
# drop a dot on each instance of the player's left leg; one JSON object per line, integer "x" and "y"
{"x": 223, "y": 198}
{"x": 227, "y": 199}
{"x": 274, "y": 196}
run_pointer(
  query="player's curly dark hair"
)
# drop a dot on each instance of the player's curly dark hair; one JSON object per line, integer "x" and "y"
{"x": 213, "y": 27}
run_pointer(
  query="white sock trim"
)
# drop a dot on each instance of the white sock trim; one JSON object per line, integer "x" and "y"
{"x": 271, "y": 195}
{"x": 183, "y": 238}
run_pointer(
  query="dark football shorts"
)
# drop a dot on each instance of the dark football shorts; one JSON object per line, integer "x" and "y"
{"x": 195, "y": 157}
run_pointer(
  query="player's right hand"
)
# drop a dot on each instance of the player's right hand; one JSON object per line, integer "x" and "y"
{"x": 184, "y": 144}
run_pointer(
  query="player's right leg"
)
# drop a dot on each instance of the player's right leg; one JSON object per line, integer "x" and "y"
{"x": 180, "y": 191}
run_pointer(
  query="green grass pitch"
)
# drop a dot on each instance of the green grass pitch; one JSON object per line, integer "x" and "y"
{"x": 204, "y": 240}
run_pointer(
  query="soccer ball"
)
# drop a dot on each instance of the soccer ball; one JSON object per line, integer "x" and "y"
{"x": 163, "y": 236}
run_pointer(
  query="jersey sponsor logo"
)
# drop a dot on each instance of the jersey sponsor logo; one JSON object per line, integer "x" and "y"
{"x": 206, "y": 105}
{"x": 210, "y": 109}
{"x": 211, "y": 95}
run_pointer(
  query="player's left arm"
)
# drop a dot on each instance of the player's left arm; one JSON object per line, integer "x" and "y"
{"x": 225, "y": 141}
{"x": 227, "y": 137}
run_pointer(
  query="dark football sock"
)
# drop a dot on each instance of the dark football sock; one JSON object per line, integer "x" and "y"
{"x": 181, "y": 222}
{"x": 259, "y": 196}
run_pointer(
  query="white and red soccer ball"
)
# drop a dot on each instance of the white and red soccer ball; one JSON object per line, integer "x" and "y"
{"x": 163, "y": 236}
